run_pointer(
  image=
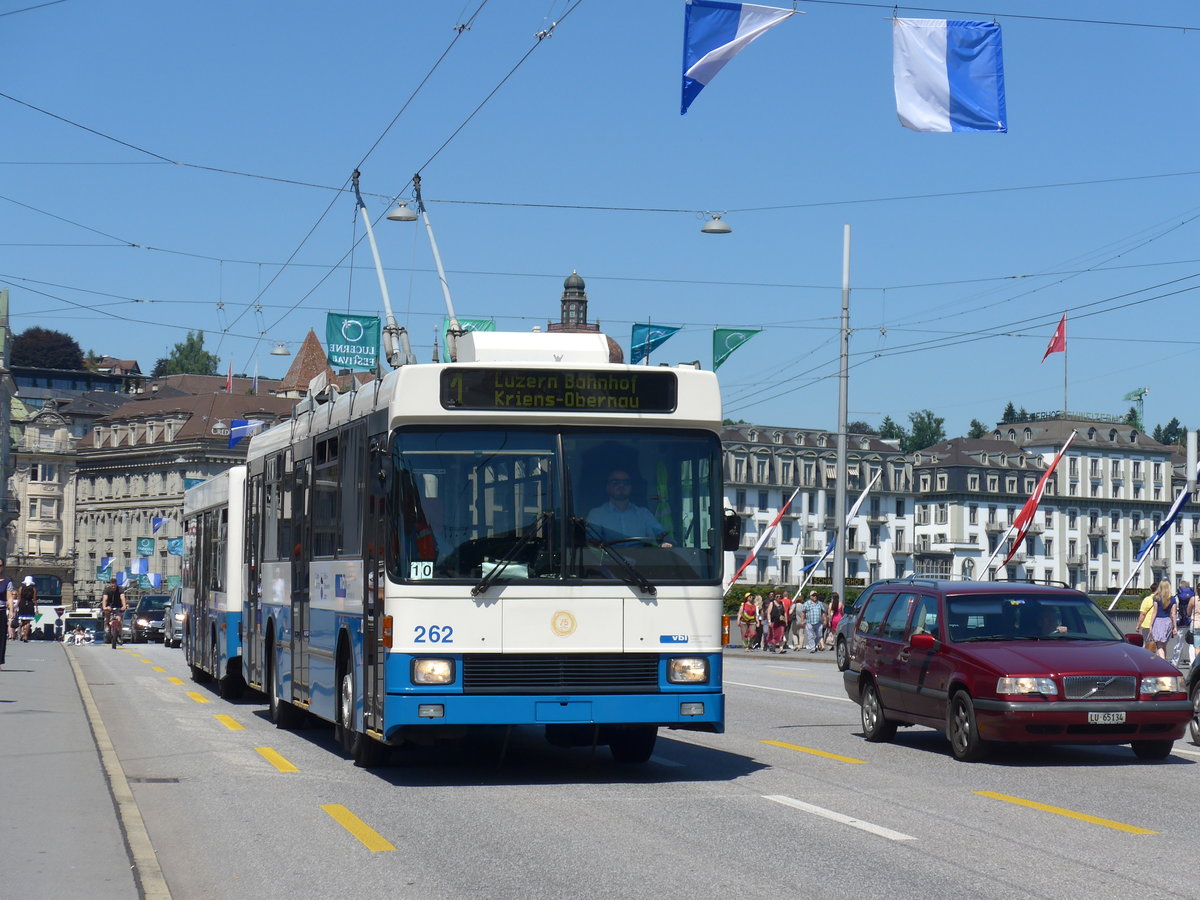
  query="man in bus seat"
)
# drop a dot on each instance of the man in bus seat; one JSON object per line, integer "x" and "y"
{"x": 619, "y": 521}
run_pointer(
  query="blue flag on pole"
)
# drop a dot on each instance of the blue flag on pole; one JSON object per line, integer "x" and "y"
{"x": 645, "y": 338}
{"x": 714, "y": 33}
{"x": 1172, "y": 515}
{"x": 243, "y": 428}
{"x": 949, "y": 76}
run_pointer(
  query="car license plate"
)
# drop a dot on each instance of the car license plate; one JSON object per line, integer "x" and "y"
{"x": 1106, "y": 718}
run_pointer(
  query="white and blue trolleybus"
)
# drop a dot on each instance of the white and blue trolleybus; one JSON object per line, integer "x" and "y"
{"x": 530, "y": 535}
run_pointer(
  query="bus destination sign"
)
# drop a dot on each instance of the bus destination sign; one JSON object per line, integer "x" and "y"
{"x": 560, "y": 390}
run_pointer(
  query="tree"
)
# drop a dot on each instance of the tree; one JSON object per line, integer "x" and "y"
{"x": 977, "y": 430}
{"x": 188, "y": 358}
{"x": 927, "y": 430}
{"x": 860, "y": 428}
{"x": 890, "y": 430}
{"x": 1131, "y": 418}
{"x": 1171, "y": 433}
{"x": 46, "y": 349}
{"x": 1009, "y": 415}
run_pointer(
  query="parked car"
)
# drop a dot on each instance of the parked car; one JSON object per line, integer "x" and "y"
{"x": 173, "y": 620}
{"x": 1008, "y": 661}
{"x": 148, "y": 618}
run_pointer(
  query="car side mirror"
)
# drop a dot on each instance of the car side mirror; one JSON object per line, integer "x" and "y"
{"x": 731, "y": 531}
{"x": 1136, "y": 639}
{"x": 922, "y": 641}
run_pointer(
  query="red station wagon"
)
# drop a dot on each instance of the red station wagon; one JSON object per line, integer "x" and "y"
{"x": 1007, "y": 661}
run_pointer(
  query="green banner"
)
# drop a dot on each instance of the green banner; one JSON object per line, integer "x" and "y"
{"x": 726, "y": 340}
{"x": 466, "y": 324}
{"x": 145, "y": 546}
{"x": 352, "y": 342}
{"x": 104, "y": 573}
{"x": 173, "y": 581}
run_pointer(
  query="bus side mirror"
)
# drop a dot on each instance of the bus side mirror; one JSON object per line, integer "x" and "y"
{"x": 731, "y": 530}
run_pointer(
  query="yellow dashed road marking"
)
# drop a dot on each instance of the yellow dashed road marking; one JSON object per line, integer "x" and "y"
{"x": 845, "y": 759}
{"x": 229, "y": 722}
{"x": 198, "y": 697}
{"x": 369, "y": 837}
{"x": 159, "y": 669}
{"x": 1069, "y": 813}
{"x": 276, "y": 759}
{"x": 175, "y": 680}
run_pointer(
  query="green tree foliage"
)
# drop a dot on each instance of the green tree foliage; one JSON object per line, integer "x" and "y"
{"x": 46, "y": 349}
{"x": 891, "y": 430}
{"x": 1171, "y": 433}
{"x": 977, "y": 429}
{"x": 927, "y": 430}
{"x": 1131, "y": 417}
{"x": 860, "y": 428}
{"x": 188, "y": 358}
{"x": 1009, "y": 415}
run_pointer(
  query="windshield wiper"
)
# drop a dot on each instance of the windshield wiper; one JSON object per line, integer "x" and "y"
{"x": 633, "y": 577}
{"x": 532, "y": 534}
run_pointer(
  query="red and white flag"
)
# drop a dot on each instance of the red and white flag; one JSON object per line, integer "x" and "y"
{"x": 1058, "y": 343}
{"x": 1025, "y": 517}
{"x": 763, "y": 537}
{"x": 229, "y": 380}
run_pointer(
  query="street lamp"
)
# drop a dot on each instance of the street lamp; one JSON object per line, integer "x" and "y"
{"x": 716, "y": 225}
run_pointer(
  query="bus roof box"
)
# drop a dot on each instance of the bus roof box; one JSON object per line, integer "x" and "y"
{"x": 533, "y": 346}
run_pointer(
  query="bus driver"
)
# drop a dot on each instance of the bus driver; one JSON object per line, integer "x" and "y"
{"x": 619, "y": 521}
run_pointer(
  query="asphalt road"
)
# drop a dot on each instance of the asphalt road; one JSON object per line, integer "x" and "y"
{"x": 791, "y": 800}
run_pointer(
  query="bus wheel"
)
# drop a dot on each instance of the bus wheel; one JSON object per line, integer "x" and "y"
{"x": 283, "y": 714}
{"x": 633, "y": 745}
{"x": 366, "y": 752}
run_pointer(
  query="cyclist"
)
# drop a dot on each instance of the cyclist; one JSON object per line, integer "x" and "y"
{"x": 111, "y": 611}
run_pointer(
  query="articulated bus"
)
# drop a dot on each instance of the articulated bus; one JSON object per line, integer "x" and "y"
{"x": 214, "y": 579}
{"x": 449, "y": 549}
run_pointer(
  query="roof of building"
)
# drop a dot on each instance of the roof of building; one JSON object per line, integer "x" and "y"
{"x": 804, "y": 438}
{"x": 1088, "y": 433}
{"x": 201, "y": 414}
{"x": 310, "y": 362}
{"x": 207, "y": 384}
{"x": 978, "y": 452}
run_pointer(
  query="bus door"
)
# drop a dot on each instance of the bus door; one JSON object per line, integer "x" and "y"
{"x": 252, "y": 603}
{"x": 374, "y": 536}
{"x": 301, "y": 627}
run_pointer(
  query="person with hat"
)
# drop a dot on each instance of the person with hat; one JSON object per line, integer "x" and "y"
{"x": 26, "y": 607}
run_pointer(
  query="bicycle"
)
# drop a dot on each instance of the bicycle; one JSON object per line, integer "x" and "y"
{"x": 114, "y": 629}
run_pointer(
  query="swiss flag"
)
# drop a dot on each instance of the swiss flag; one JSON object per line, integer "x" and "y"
{"x": 1058, "y": 343}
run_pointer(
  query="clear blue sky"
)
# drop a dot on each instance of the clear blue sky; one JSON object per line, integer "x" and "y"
{"x": 803, "y": 120}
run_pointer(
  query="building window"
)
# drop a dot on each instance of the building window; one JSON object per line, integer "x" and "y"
{"x": 785, "y": 471}
{"x": 786, "y": 533}
{"x": 762, "y": 500}
{"x": 1010, "y": 484}
{"x": 973, "y": 481}
{"x": 941, "y": 514}
{"x": 740, "y": 499}
{"x": 899, "y": 507}
{"x": 1115, "y": 550}
{"x": 739, "y": 468}
{"x": 993, "y": 483}
{"x": 760, "y": 471}
{"x": 924, "y": 481}
{"x": 943, "y": 481}
{"x": 43, "y": 472}
{"x": 1048, "y": 543}
{"x": 972, "y": 515}
{"x": 1072, "y": 518}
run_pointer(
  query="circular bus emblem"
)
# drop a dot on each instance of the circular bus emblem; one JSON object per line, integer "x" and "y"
{"x": 562, "y": 623}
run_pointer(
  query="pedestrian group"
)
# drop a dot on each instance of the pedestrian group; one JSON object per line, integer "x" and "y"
{"x": 780, "y": 623}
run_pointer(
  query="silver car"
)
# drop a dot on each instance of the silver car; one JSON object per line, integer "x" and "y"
{"x": 173, "y": 620}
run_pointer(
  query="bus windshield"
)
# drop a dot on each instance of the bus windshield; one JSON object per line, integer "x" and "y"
{"x": 539, "y": 505}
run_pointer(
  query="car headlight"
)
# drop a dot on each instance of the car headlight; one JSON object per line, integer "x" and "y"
{"x": 143, "y": 622}
{"x": 1162, "y": 684}
{"x": 687, "y": 670}
{"x": 432, "y": 671}
{"x": 1044, "y": 686}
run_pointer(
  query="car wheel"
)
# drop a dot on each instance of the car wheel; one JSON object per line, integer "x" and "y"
{"x": 963, "y": 730}
{"x": 842, "y": 653}
{"x": 1152, "y": 749}
{"x": 1194, "y": 725}
{"x": 876, "y": 727}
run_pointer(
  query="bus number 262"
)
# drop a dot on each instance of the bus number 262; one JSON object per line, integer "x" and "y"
{"x": 433, "y": 634}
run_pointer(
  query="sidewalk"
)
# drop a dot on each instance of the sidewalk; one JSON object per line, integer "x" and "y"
{"x": 58, "y": 825}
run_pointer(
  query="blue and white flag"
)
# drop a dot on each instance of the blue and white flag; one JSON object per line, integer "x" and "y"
{"x": 1172, "y": 515}
{"x": 645, "y": 338}
{"x": 243, "y": 428}
{"x": 158, "y": 522}
{"x": 139, "y": 565}
{"x": 714, "y": 33}
{"x": 949, "y": 75}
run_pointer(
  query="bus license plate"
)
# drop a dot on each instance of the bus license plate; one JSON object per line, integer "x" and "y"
{"x": 1106, "y": 718}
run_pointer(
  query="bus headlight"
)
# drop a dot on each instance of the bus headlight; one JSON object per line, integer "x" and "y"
{"x": 432, "y": 671}
{"x": 687, "y": 670}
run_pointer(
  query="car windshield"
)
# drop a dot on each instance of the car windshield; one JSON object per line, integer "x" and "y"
{"x": 149, "y": 603}
{"x": 1026, "y": 617}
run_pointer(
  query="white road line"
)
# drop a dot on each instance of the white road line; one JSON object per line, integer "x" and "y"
{"x": 1186, "y": 752}
{"x": 788, "y": 691}
{"x": 878, "y": 830}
